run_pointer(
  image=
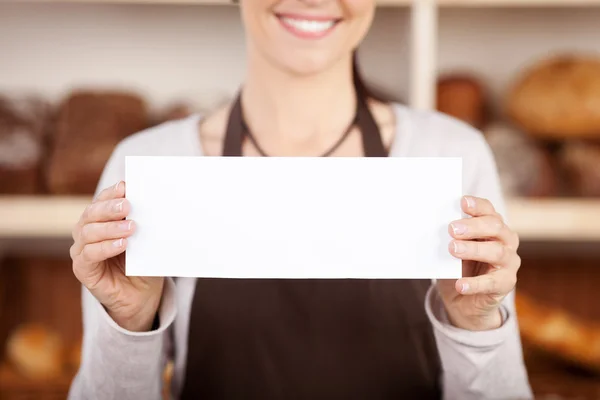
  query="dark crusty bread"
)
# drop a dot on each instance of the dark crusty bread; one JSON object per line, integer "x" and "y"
{"x": 525, "y": 166}
{"x": 89, "y": 126}
{"x": 580, "y": 162}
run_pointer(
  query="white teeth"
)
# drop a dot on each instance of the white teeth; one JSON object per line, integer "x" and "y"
{"x": 310, "y": 26}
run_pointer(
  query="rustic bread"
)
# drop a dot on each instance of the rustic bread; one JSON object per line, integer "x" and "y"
{"x": 558, "y": 98}
{"x": 556, "y": 332}
{"x": 36, "y": 352}
{"x": 89, "y": 126}
{"x": 23, "y": 130}
{"x": 462, "y": 97}
{"x": 525, "y": 167}
{"x": 580, "y": 162}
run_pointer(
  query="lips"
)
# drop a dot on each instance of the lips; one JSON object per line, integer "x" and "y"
{"x": 308, "y": 27}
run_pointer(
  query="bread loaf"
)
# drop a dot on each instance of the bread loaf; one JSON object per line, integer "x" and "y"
{"x": 36, "y": 352}
{"x": 23, "y": 124}
{"x": 558, "y": 98}
{"x": 556, "y": 332}
{"x": 462, "y": 97}
{"x": 89, "y": 126}
{"x": 524, "y": 166}
{"x": 580, "y": 162}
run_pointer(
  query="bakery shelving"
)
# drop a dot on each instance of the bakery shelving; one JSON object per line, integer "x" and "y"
{"x": 40, "y": 216}
{"x": 555, "y": 219}
{"x": 534, "y": 219}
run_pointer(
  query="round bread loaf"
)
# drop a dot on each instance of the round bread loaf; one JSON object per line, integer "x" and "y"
{"x": 462, "y": 97}
{"x": 580, "y": 162}
{"x": 525, "y": 167}
{"x": 36, "y": 352}
{"x": 558, "y": 98}
{"x": 559, "y": 333}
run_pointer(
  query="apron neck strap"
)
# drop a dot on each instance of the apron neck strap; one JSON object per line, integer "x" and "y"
{"x": 371, "y": 137}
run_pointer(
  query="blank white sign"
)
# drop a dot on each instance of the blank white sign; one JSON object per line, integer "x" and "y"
{"x": 289, "y": 217}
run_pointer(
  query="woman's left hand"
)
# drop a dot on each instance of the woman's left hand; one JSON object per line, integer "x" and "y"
{"x": 488, "y": 248}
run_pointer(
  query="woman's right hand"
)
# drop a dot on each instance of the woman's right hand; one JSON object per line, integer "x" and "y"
{"x": 98, "y": 255}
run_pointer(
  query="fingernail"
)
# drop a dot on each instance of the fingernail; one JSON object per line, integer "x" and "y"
{"x": 119, "y": 206}
{"x": 459, "y": 228}
{"x": 464, "y": 288}
{"x": 118, "y": 243}
{"x": 459, "y": 247}
{"x": 117, "y": 186}
{"x": 470, "y": 202}
{"x": 125, "y": 226}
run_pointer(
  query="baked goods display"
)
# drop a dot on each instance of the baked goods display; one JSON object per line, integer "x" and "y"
{"x": 23, "y": 130}
{"x": 558, "y": 98}
{"x": 36, "y": 352}
{"x": 580, "y": 162}
{"x": 525, "y": 167}
{"x": 89, "y": 126}
{"x": 557, "y": 332}
{"x": 463, "y": 97}
{"x": 62, "y": 148}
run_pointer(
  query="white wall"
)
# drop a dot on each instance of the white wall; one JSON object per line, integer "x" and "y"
{"x": 197, "y": 52}
{"x": 167, "y": 52}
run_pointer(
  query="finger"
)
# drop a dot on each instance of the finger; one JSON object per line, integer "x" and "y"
{"x": 484, "y": 227}
{"x": 492, "y": 252}
{"x": 477, "y": 206}
{"x": 499, "y": 282}
{"x": 97, "y": 252}
{"x": 101, "y": 231}
{"x": 105, "y": 211}
{"x": 113, "y": 192}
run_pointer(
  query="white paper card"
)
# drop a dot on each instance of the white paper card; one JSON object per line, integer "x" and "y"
{"x": 280, "y": 217}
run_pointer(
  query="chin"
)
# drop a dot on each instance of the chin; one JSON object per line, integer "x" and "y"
{"x": 306, "y": 65}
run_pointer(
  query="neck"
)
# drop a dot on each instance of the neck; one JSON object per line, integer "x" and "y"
{"x": 287, "y": 112}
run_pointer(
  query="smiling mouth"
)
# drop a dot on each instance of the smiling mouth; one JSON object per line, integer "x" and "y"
{"x": 308, "y": 27}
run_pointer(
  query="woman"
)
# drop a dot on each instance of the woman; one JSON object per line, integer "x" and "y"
{"x": 306, "y": 339}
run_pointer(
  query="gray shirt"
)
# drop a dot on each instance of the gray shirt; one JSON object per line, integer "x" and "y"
{"x": 118, "y": 364}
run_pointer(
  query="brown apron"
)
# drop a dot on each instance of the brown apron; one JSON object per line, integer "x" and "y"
{"x": 310, "y": 339}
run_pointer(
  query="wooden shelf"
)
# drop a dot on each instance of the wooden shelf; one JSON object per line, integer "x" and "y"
{"x": 555, "y": 219}
{"x": 534, "y": 219}
{"x": 40, "y": 216}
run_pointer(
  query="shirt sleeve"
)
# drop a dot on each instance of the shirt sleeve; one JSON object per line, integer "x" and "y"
{"x": 486, "y": 364}
{"x": 117, "y": 363}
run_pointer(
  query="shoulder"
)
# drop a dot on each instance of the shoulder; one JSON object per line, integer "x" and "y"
{"x": 437, "y": 134}
{"x": 173, "y": 138}
{"x": 169, "y": 138}
{"x": 433, "y": 134}
{"x": 424, "y": 133}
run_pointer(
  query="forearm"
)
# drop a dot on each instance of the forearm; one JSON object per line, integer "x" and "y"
{"x": 119, "y": 364}
{"x": 479, "y": 365}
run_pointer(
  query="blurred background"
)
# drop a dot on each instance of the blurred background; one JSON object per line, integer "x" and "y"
{"x": 78, "y": 76}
